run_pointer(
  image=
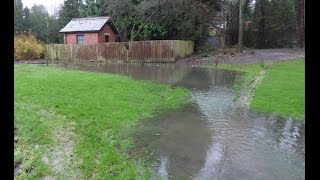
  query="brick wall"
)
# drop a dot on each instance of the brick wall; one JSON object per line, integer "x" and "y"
{"x": 89, "y": 38}
{"x": 70, "y": 39}
{"x": 107, "y": 29}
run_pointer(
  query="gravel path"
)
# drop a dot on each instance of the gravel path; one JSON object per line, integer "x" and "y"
{"x": 246, "y": 57}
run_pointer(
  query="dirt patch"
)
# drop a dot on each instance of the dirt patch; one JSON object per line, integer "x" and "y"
{"x": 249, "y": 56}
{"x": 35, "y": 61}
{"x": 60, "y": 158}
{"x": 17, "y": 168}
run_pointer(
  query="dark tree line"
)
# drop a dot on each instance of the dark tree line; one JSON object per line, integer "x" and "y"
{"x": 265, "y": 23}
{"x": 44, "y": 26}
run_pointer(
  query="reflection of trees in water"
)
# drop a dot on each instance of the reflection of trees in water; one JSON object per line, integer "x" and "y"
{"x": 203, "y": 78}
{"x": 168, "y": 73}
{"x": 179, "y": 75}
{"x": 182, "y": 137}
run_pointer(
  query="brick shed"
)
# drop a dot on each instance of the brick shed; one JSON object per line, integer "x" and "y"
{"x": 91, "y": 30}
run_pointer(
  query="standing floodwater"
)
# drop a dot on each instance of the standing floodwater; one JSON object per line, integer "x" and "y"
{"x": 213, "y": 137}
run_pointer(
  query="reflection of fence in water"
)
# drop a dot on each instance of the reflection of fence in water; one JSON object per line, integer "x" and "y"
{"x": 163, "y": 73}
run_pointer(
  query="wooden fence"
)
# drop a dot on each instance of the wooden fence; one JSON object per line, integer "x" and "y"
{"x": 136, "y": 51}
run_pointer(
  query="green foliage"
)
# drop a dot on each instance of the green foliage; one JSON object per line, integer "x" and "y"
{"x": 205, "y": 48}
{"x": 153, "y": 31}
{"x": 271, "y": 23}
{"x": 39, "y": 22}
{"x": 69, "y": 10}
{"x": 93, "y": 8}
{"x": 104, "y": 109}
{"x": 53, "y": 35}
{"x": 275, "y": 23}
{"x": 26, "y": 47}
{"x": 44, "y": 26}
{"x": 18, "y": 16}
{"x": 26, "y": 19}
{"x": 155, "y": 19}
{"x": 281, "y": 24}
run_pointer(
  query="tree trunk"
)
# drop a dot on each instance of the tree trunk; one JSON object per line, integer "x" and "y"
{"x": 223, "y": 29}
{"x": 300, "y": 22}
{"x": 240, "y": 36}
{"x": 261, "y": 24}
{"x": 223, "y": 39}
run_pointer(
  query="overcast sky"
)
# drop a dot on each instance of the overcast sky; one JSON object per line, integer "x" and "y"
{"x": 50, "y": 4}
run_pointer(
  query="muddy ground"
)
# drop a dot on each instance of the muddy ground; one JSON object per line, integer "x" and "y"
{"x": 249, "y": 56}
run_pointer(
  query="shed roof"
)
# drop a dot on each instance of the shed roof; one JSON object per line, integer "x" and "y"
{"x": 86, "y": 24}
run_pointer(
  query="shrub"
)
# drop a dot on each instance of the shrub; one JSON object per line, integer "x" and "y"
{"x": 26, "y": 47}
{"x": 205, "y": 47}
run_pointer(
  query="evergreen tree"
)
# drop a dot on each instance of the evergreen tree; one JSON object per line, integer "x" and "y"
{"x": 26, "y": 19}
{"x": 18, "y": 16}
{"x": 39, "y": 22}
{"x": 69, "y": 10}
{"x": 299, "y": 5}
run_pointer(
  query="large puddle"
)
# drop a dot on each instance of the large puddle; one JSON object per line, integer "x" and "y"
{"x": 213, "y": 137}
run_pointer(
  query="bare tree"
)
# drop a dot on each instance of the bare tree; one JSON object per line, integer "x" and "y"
{"x": 223, "y": 20}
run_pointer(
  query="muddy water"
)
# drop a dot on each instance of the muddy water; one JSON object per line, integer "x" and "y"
{"x": 213, "y": 137}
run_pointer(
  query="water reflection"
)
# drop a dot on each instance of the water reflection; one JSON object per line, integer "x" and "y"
{"x": 214, "y": 138}
{"x": 181, "y": 136}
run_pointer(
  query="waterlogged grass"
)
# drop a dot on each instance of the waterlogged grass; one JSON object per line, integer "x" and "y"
{"x": 83, "y": 121}
{"x": 30, "y": 132}
{"x": 281, "y": 90}
{"x": 251, "y": 72}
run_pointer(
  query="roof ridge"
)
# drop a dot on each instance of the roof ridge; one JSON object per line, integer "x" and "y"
{"x": 87, "y": 18}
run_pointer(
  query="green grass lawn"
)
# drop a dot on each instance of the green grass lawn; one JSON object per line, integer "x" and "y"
{"x": 281, "y": 91}
{"x": 79, "y": 123}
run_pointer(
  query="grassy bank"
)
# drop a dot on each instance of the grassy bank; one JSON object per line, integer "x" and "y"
{"x": 78, "y": 124}
{"x": 277, "y": 87}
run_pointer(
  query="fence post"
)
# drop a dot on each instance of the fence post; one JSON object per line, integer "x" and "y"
{"x": 97, "y": 51}
{"x": 45, "y": 54}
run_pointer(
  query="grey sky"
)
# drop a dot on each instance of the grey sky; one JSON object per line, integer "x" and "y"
{"x": 50, "y": 4}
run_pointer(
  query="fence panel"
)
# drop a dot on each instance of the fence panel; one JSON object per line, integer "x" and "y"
{"x": 136, "y": 51}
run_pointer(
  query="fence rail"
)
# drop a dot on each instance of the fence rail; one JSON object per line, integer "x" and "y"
{"x": 136, "y": 51}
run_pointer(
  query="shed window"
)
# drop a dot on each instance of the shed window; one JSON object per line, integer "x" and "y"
{"x": 106, "y": 38}
{"x": 80, "y": 39}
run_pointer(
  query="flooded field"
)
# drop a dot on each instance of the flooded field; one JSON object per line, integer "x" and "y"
{"x": 213, "y": 137}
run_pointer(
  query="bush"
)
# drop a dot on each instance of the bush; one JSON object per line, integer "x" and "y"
{"x": 205, "y": 47}
{"x": 26, "y": 47}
